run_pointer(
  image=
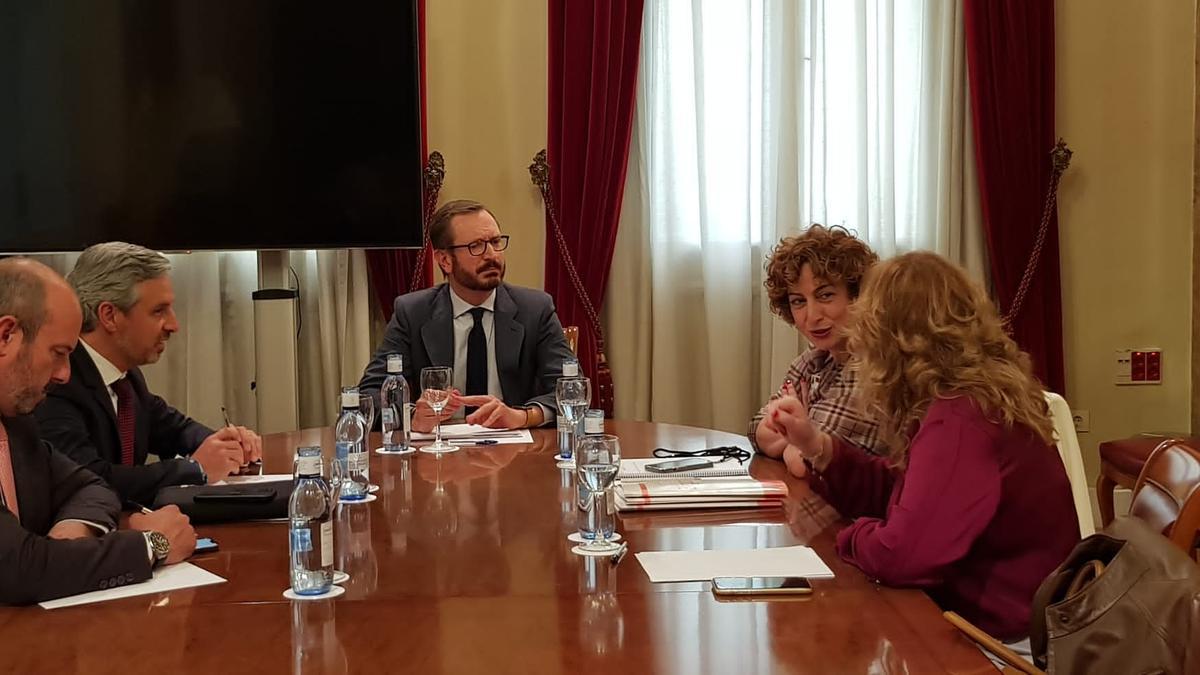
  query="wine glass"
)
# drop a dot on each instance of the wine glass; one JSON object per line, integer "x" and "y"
{"x": 435, "y": 389}
{"x": 573, "y": 396}
{"x": 597, "y": 459}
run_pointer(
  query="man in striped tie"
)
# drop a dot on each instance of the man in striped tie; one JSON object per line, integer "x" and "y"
{"x": 58, "y": 520}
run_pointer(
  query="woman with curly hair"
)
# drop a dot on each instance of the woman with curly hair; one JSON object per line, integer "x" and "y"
{"x": 812, "y": 279}
{"x": 972, "y": 504}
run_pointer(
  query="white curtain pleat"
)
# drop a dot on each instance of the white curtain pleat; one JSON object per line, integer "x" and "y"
{"x": 335, "y": 331}
{"x": 755, "y": 119}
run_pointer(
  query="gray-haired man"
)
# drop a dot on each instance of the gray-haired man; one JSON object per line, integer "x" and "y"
{"x": 105, "y": 418}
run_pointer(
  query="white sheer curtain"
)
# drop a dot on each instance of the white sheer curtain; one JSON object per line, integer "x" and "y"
{"x": 755, "y": 119}
{"x": 210, "y": 362}
{"x": 335, "y": 330}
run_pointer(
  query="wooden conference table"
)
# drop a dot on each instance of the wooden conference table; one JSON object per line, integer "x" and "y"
{"x": 462, "y": 565}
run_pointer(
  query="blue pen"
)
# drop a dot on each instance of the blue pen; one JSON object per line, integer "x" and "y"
{"x": 482, "y": 441}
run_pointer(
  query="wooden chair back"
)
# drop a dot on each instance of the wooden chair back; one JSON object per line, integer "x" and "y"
{"x": 572, "y": 335}
{"x": 1167, "y": 494}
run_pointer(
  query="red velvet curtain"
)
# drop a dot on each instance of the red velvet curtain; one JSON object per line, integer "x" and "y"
{"x": 1010, "y": 63}
{"x": 392, "y": 269}
{"x": 592, "y": 90}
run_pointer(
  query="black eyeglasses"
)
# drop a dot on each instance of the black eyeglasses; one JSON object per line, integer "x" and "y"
{"x": 478, "y": 246}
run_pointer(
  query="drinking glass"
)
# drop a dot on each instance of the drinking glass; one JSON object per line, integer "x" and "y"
{"x": 597, "y": 459}
{"x": 573, "y": 396}
{"x": 435, "y": 389}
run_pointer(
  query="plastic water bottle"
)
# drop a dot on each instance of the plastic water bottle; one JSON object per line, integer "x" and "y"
{"x": 590, "y": 517}
{"x": 393, "y": 406}
{"x": 349, "y": 437}
{"x": 566, "y": 429}
{"x": 310, "y": 512}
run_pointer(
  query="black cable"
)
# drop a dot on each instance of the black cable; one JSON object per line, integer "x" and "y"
{"x": 299, "y": 306}
{"x": 724, "y": 452}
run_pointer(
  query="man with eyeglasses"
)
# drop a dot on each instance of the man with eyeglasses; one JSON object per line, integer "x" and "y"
{"x": 504, "y": 342}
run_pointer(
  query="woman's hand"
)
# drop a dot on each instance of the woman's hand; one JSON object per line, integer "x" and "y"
{"x": 770, "y": 442}
{"x": 788, "y": 416}
{"x": 794, "y": 462}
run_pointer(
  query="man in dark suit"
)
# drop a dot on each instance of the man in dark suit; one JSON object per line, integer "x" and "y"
{"x": 58, "y": 520}
{"x": 504, "y": 342}
{"x": 105, "y": 418}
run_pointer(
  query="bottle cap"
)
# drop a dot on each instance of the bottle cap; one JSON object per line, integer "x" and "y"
{"x": 349, "y": 399}
{"x": 570, "y": 368}
{"x": 395, "y": 364}
{"x": 308, "y": 466}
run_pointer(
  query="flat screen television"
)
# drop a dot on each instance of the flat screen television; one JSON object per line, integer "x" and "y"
{"x": 209, "y": 124}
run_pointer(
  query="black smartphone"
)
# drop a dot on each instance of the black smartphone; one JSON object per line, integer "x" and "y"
{"x": 206, "y": 545}
{"x": 676, "y": 465}
{"x": 254, "y": 495}
{"x": 761, "y": 586}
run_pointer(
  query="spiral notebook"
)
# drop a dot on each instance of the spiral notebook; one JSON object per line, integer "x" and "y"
{"x": 635, "y": 469}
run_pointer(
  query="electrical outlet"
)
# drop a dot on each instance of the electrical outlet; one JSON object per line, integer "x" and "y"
{"x": 1082, "y": 420}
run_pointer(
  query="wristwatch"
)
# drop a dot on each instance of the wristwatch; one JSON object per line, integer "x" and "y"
{"x": 160, "y": 546}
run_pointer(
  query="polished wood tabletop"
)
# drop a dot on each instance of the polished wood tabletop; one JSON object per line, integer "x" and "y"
{"x": 461, "y": 565}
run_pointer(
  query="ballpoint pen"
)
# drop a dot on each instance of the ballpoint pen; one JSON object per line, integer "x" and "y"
{"x": 225, "y": 414}
{"x": 139, "y": 507}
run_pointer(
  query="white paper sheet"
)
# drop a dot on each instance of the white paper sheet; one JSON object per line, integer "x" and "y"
{"x": 785, "y": 561}
{"x": 264, "y": 478}
{"x": 169, "y": 578}
{"x": 465, "y": 432}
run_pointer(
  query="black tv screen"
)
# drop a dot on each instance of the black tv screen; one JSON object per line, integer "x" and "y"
{"x": 209, "y": 124}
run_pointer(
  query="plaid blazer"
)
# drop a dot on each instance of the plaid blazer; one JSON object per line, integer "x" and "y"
{"x": 833, "y": 401}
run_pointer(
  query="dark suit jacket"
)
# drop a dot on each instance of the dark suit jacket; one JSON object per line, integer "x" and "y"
{"x": 77, "y": 418}
{"x": 50, "y": 488}
{"x": 529, "y": 342}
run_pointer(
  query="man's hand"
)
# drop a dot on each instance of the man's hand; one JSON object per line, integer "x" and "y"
{"x": 68, "y": 529}
{"x": 220, "y": 454}
{"x": 251, "y": 445}
{"x": 175, "y": 526}
{"x": 423, "y": 418}
{"x": 492, "y": 413}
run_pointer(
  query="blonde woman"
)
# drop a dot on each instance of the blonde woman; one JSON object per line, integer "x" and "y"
{"x": 812, "y": 280}
{"x": 973, "y": 503}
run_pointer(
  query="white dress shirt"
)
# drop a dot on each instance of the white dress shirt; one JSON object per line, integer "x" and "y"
{"x": 109, "y": 373}
{"x": 463, "y": 323}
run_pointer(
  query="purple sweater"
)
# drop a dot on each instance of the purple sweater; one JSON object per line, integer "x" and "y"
{"x": 979, "y": 518}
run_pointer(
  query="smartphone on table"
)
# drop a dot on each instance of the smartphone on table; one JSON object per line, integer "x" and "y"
{"x": 761, "y": 586}
{"x": 676, "y": 465}
{"x": 205, "y": 545}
